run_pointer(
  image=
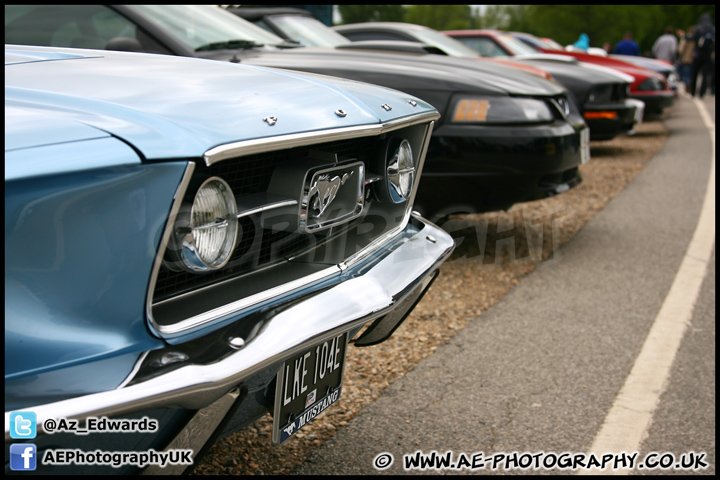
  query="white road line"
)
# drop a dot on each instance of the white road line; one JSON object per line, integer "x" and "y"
{"x": 629, "y": 419}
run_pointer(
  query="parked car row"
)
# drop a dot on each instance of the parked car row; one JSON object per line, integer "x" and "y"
{"x": 529, "y": 145}
{"x": 601, "y": 95}
{"x": 197, "y": 241}
{"x": 649, "y": 86}
{"x": 645, "y": 85}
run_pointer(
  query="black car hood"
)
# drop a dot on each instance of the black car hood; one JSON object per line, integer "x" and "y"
{"x": 412, "y": 71}
{"x": 578, "y": 71}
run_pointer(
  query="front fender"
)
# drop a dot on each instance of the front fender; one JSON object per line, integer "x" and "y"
{"x": 79, "y": 247}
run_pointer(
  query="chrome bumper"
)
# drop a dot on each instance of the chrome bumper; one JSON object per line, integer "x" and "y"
{"x": 375, "y": 290}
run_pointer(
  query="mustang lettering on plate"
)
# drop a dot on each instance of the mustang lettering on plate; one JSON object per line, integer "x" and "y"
{"x": 304, "y": 378}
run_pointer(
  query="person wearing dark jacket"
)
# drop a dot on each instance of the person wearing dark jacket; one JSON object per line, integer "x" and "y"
{"x": 627, "y": 46}
{"x": 704, "y": 37}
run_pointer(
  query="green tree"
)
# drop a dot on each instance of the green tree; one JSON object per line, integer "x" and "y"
{"x": 371, "y": 13}
{"x": 565, "y": 23}
{"x": 476, "y": 19}
{"x": 519, "y": 17}
{"x": 497, "y": 17}
{"x": 562, "y": 23}
{"x": 602, "y": 23}
{"x": 439, "y": 17}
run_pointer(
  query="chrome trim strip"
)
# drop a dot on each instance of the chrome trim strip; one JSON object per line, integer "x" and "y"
{"x": 240, "y": 305}
{"x": 249, "y": 147}
{"x": 135, "y": 369}
{"x": 289, "y": 332}
{"x": 210, "y": 287}
{"x": 177, "y": 202}
{"x": 368, "y": 250}
{"x": 265, "y": 208}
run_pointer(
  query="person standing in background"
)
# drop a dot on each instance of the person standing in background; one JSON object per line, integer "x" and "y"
{"x": 704, "y": 38}
{"x": 583, "y": 42}
{"x": 627, "y": 46}
{"x": 685, "y": 56}
{"x": 666, "y": 46}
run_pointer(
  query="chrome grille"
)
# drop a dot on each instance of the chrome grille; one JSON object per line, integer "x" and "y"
{"x": 246, "y": 176}
{"x": 279, "y": 256}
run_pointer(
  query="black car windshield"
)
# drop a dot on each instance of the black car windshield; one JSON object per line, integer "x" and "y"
{"x": 207, "y": 26}
{"x": 552, "y": 44}
{"x": 452, "y": 47}
{"x": 309, "y": 31}
{"x": 516, "y": 46}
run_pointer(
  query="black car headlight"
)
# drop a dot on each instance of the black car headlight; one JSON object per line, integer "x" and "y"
{"x": 206, "y": 232}
{"x": 500, "y": 110}
{"x": 650, "y": 84}
{"x": 600, "y": 94}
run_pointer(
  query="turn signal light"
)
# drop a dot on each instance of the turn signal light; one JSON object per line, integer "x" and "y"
{"x": 471, "y": 110}
{"x": 598, "y": 115}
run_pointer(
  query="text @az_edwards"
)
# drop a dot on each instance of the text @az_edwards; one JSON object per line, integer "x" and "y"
{"x": 100, "y": 425}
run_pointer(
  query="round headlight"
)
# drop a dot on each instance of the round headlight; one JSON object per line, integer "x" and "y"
{"x": 400, "y": 173}
{"x": 208, "y": 241}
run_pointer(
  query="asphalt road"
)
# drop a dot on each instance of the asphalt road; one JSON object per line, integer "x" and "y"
{"x": 541, "y": 370}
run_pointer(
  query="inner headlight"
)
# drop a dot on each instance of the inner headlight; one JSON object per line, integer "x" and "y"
{"x": 600, "y": 94}
{"x": 501, "y": 110}
{"x": 207, "y": 242}
{"x": 650, "y": 84}
{"x": 400, "y": 171}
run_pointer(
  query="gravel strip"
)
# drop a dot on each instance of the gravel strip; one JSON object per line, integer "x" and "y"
{"x": 495, "y": 250}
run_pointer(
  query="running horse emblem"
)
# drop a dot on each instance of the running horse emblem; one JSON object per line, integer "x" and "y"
{"x": 290, "y": 428}
{"x": 324, "y": 191}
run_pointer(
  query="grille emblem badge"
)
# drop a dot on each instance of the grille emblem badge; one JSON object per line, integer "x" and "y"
{"x": 324, "y": 191}
{"x": 332, "y": 195}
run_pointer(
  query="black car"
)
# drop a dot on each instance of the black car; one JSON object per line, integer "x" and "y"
{"x": 504, "y": 137}
{"x": 601, "y": 94}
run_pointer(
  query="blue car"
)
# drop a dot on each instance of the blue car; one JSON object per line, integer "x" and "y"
{"x": 192, "y": 244}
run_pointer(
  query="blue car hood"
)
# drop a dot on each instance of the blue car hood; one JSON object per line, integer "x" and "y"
{"x": 172, "y": 107}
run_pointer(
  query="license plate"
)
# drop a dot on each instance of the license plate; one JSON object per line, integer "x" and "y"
{"x": 584, "y": 145}
{"x": 307, "y": 385}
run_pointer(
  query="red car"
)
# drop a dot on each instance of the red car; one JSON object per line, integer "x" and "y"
{"x": 649, "y": 86}
{"x": 492, "y": 43}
